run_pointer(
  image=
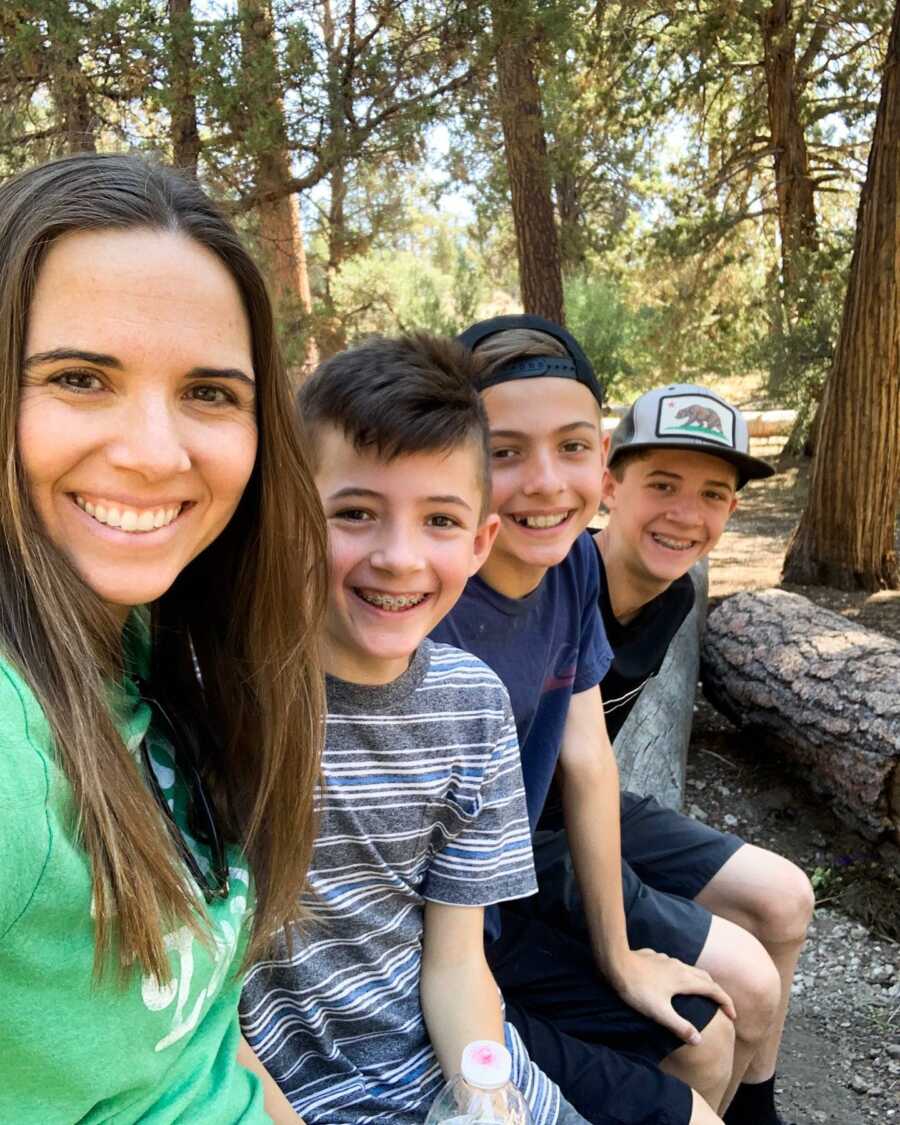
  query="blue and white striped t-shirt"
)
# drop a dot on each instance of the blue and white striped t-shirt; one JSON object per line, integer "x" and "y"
{"x": 422, "y": 799}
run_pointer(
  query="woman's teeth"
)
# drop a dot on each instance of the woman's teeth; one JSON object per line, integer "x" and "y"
{"x": 542, "y": 521}
{"x": 129, "y": 519}
{"x": 392, "y": 602}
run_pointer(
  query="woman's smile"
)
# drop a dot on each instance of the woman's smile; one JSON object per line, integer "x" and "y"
{"x": 112, "y": 513}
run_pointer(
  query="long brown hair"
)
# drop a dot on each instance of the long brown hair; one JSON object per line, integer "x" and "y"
{"x": 247, "y": 609}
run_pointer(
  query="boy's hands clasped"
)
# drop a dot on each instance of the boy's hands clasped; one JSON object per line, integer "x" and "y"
{"x": 648, "y": 981}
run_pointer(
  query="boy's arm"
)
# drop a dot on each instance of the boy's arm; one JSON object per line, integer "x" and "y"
{"x": 589, "y": 779}
{"x": 276, "y": 1104}
{"x": 460, "y": 1000}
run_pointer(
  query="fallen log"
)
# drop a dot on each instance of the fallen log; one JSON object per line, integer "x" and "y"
{"x": 651, "y": 748}
{"x": 822, "y": 690}
{"x": 769, "y": 423}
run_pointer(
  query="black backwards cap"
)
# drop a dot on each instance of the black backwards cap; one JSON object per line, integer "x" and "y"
{"x": 575, "y": 366}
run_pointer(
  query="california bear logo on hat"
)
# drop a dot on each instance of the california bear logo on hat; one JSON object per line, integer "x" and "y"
{"x": 685, "y": 416}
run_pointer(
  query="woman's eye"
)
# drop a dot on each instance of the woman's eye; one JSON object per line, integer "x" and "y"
{"x": 214, "y": 396}
{"x": 78, "y": 381}
{"x": 353, "y": 515}
{"x": 502, "y": 454}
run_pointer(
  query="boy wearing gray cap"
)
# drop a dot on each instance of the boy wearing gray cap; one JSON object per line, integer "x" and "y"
{"x": 677, "y": 461}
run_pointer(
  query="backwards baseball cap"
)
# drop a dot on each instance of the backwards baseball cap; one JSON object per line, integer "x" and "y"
{"x": 683, "y": 416}
{"x": 575, "y": 366}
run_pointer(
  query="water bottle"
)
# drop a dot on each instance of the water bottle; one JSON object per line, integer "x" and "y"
{"x": 481, "y": 1094}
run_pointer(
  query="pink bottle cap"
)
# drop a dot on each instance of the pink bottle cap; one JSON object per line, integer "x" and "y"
{"x": 486, "y": 1064}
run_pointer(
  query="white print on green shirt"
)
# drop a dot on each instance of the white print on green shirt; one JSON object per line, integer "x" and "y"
{"x": 180, "y": 943}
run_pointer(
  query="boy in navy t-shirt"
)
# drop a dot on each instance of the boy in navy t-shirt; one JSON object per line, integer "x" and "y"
{"x": 619, "y": 1047}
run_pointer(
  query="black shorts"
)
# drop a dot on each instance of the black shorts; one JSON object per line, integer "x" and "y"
{"x": 667, "y": 860}
{"x": 602, "y": 1053}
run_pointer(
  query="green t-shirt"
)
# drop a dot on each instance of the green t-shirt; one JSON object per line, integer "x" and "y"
{"x": 72, "y": 1050}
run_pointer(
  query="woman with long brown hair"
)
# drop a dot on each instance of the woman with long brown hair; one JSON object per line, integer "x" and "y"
{"x": 161, "y": 582}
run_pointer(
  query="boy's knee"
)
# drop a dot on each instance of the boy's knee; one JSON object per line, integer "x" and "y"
{"x": 740, "y": 963}
{"x": 758, "y": 996}
{"x": 711, "y": 1059}
{"x": 788, "y": 906}
{"x": 718, "y": 1036}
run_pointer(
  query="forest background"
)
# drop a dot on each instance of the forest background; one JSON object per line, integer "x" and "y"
{"x": 678, "y": 182}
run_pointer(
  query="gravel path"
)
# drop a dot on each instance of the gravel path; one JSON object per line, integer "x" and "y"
{"x": 840, "y": 1060}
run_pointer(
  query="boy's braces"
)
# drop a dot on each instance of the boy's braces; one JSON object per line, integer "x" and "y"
{"x": 391, "y": 601}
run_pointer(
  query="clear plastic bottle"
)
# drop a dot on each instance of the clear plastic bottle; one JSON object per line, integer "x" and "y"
{"x": 482, "y": 1093}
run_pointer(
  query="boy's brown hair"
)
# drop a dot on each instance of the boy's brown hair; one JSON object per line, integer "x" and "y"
{"x": 514, "y": 343}
{"x": 626, "y": 457}
{"x": 400, "y": 395}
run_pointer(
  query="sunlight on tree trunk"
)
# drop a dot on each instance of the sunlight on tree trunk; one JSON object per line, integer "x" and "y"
{"x": 182, "y": 82}
{"x": 332, "y": 336}
{"x": 793, "y": 183}
{"x": 280, "y": 228}
{"x": 69, "y": 83}
{"x": 846, "y": 534}
{"x": 521, "y": 115}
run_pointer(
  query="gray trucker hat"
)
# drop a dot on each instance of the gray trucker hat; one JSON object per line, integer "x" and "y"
{"x": 682, "y": 416}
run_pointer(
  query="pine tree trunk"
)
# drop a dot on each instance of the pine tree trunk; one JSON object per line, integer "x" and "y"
{"x": 184, "y": 134}
{"x": 571, "y": 236}
{"x": 819, "y": 689}
{"x": 846, "y": 533}
{"x": 280, "y": 228}
{"x": 793, "y": 183}
{"x": 521, "y": 116}
{"x": 332, "y": 335}
{"x": 68, "y": 83}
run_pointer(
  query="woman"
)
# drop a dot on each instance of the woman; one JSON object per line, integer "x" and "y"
{"x": 150, "y": 758}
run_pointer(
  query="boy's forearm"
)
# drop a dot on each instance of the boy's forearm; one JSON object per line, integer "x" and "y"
{"x": 590, "y": 794}
{"x": 276, "y": 1104}
{"x": 589, "y": 781}
{"x": 589, "y": 776}
{"x": 461, "y": 1003}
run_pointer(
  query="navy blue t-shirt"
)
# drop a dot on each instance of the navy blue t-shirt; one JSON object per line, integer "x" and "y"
{"x": 544, "y": 647}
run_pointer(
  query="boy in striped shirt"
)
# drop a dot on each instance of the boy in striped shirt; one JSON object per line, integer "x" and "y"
{"x": 422, "y": 811}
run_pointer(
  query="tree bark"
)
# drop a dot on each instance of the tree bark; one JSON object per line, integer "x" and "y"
{"x": 280, "y": 228}
{"x": 183, "y": 131}
{"x": 819, "y": 689}
{"x": 793, "y": 184}
{"x": 571, "y": 235}
{"x": 332, "y": 336}
{"x": 846, "y": 533}
{"x": 651, "y": 748}
{"x": 522, "y": 120}
{"x": 69, "y": 84}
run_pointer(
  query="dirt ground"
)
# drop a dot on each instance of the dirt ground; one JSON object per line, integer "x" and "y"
{"x": 840, "y": 1062}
